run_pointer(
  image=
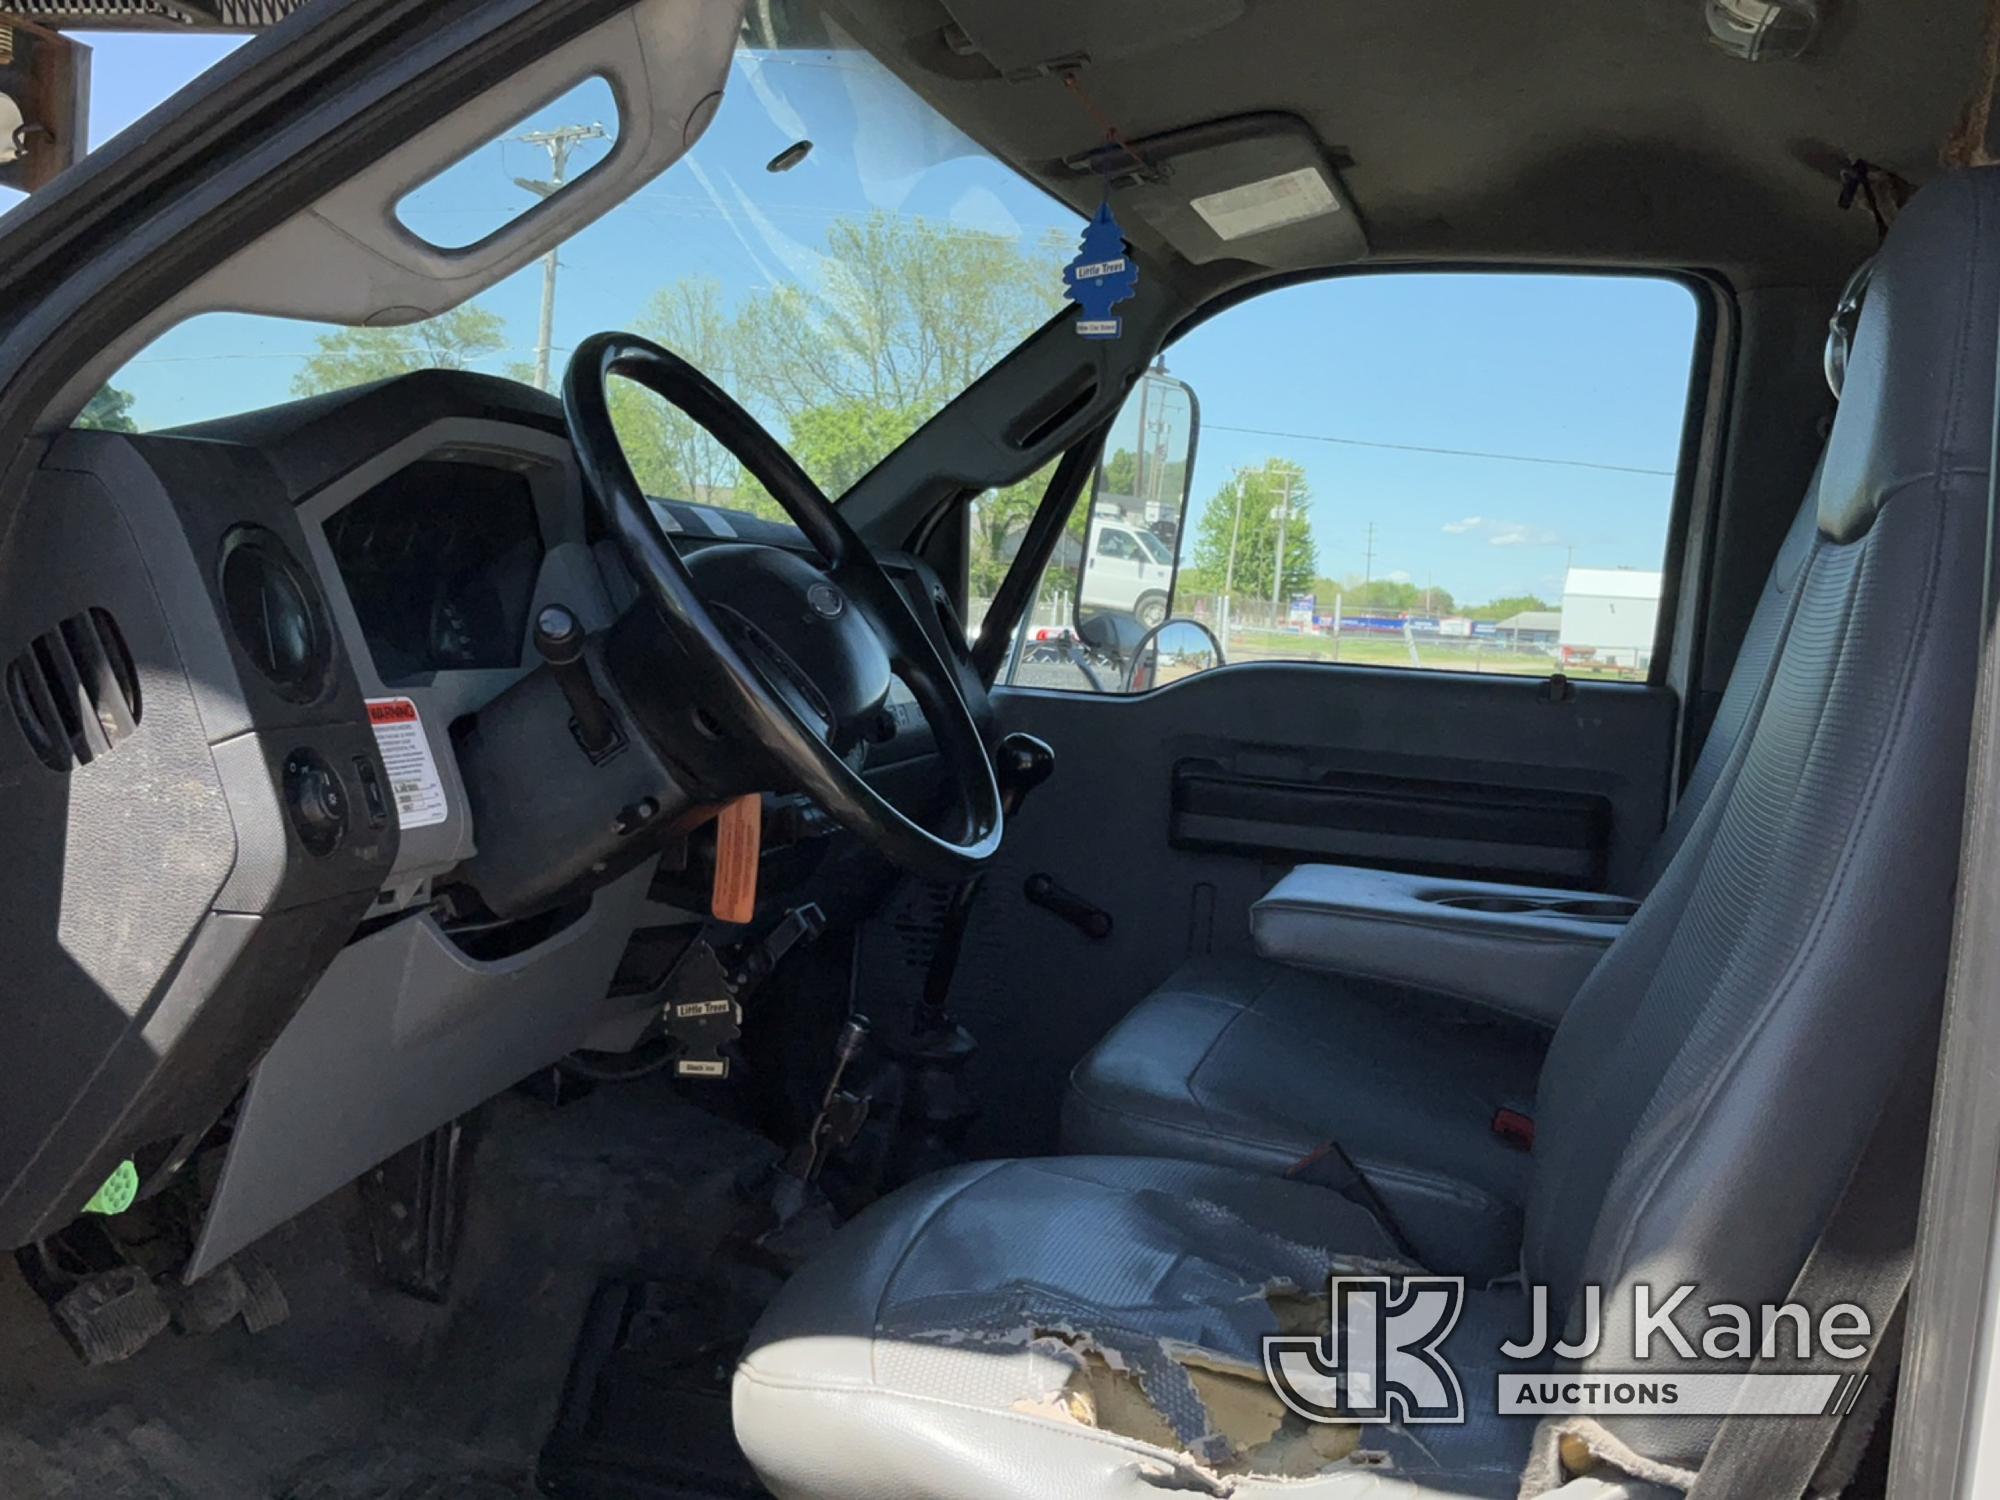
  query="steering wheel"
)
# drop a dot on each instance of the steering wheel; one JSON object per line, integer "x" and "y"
{"x": 797, "y": 657}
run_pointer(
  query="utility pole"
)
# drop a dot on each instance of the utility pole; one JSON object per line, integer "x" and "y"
{"x": 1368, "y": 561}
{"x": 559, "y": 143}
{"x": 1278, "y": 564}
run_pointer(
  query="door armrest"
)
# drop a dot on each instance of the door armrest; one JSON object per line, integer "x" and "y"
{"x": 1521, "y": 949}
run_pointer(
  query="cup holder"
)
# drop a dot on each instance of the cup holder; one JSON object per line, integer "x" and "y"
{"x": 1575, "y": 908}
{"x": 1609, "y": 908}
{"x": 1492, "y": 903}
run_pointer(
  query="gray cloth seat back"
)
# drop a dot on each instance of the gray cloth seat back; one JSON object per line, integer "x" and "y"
{"x": 1744, "y": 696}
{"x": 1716, "y": 1076}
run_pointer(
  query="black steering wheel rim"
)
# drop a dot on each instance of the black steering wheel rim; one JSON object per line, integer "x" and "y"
{"x": 742, "y": 697}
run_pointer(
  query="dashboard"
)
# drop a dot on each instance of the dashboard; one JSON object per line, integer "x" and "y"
{"x": 305, "y": 628}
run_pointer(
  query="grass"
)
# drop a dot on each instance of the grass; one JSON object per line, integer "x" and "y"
{"x": 1380, "y": 651}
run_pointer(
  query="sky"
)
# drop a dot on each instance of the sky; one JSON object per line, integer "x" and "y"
{"x": 1572, "y": 387}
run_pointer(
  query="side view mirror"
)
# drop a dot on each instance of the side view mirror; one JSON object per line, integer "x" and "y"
{"x": 1170, "y": 651}
{"x": 1129, "y": 535}
{"x": 44, "y": 104}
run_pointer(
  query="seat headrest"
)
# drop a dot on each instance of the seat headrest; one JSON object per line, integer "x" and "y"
{"x": 1917, "y": 391}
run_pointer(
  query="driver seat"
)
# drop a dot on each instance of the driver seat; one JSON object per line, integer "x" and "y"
{"x": 1089, "y": 1326}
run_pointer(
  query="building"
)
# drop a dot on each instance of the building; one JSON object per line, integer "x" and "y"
{"x": 1530, "y": 629}
{"x": 1608, "y": 617}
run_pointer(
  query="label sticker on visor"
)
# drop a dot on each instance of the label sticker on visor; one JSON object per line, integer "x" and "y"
{"x": 414, "y": 782}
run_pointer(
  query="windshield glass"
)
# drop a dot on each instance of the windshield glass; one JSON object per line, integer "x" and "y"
{"x": 844, "y": 290}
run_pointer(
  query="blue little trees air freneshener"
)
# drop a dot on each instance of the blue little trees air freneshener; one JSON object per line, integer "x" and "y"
{"x": 1102, "y": 275}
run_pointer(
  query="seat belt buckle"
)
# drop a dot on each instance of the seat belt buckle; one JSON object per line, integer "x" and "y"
{"x": 1514, "y": 1127}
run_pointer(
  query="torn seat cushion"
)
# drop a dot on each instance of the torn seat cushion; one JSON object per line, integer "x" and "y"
{"x": 1255, "y": 1065}
{"x": 1084, "y": 1327}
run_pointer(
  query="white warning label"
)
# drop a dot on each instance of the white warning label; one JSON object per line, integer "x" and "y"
{"x": 406, "y": 751}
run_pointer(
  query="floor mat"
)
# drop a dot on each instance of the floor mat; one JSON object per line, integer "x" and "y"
{"x": 393, "y": 1475}
{"x": 646, "y": 1411}
{"x": 368, "y": 1387}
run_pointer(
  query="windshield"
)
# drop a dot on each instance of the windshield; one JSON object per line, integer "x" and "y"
{"x": 832, "y": 252}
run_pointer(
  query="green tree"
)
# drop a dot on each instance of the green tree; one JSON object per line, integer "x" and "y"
{"x": 999, "y": 517}
{"x": 672, "y": 455}
{"x": 1256, "y": 492}
{"x": 1507, "y": 608}
{"x": 1396, "y": 596}
{"x": 455, "y": 340}
{"x": 839, "y": 442}
{"x": 1119, "y": 475}
{"x": 908, "y": 313}
{"x": 110, "y": 410}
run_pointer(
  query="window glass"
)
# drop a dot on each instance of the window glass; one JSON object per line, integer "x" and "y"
{"x": 832, "y": 252}
{"x": 1457, "y": 472}
{"x": 458, "y": 207}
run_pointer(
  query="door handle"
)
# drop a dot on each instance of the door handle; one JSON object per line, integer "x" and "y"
{"x": 1092, "y": 921}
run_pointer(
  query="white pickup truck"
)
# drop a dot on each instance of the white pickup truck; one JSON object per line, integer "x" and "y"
{"x": 1129, "y": 570}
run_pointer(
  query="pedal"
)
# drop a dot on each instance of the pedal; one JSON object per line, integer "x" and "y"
{"x": 111, "y": 1315}
{"x": 243, "y": 1288}
{"x": 210, "y": 1303}
{"x": 265, "y": 1305}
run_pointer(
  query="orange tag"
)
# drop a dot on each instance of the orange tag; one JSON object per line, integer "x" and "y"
{"x": 739, "y": 834}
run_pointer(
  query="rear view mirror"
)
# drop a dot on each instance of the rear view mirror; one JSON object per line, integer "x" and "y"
{"x": 44, "y": 104}
{"x": 1129, "y": 539}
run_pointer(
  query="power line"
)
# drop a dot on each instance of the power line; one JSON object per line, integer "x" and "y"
{"x": 1510, "y": 458}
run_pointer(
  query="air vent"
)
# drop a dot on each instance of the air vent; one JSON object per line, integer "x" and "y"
{"x": 74, "y": 691}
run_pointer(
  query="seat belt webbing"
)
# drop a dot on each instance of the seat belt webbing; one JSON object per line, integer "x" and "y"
{"x": 1863, "y": 1256}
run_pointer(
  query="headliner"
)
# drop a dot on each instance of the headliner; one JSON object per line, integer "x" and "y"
{"x": 1579, "y": 131}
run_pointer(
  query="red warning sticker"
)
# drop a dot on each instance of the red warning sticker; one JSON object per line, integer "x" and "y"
{"x": 406, "y": 753}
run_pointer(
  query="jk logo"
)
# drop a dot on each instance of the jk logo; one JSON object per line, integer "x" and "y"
{"x": 1380, "y": 1360}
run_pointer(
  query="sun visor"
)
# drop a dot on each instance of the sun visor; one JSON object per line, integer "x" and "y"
{"x": 1258, "y": 188}
{"x": 351, "y": 259}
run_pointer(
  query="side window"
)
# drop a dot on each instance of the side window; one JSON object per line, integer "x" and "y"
{"x": 1448, "y": 471}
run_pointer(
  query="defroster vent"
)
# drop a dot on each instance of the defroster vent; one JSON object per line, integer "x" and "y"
{"x": 74, "y": 691}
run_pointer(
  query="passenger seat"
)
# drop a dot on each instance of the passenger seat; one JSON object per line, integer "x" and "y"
{"x": 1251, "y": 1063}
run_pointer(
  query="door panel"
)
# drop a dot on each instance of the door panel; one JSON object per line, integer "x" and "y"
{"x": 1175, "y": 810}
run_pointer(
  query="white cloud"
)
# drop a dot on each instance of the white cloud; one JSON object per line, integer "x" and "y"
{"x": 1459, "y": 528}
{"x": 1514, "y": 538}
{"x": 1398, "y": 576}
